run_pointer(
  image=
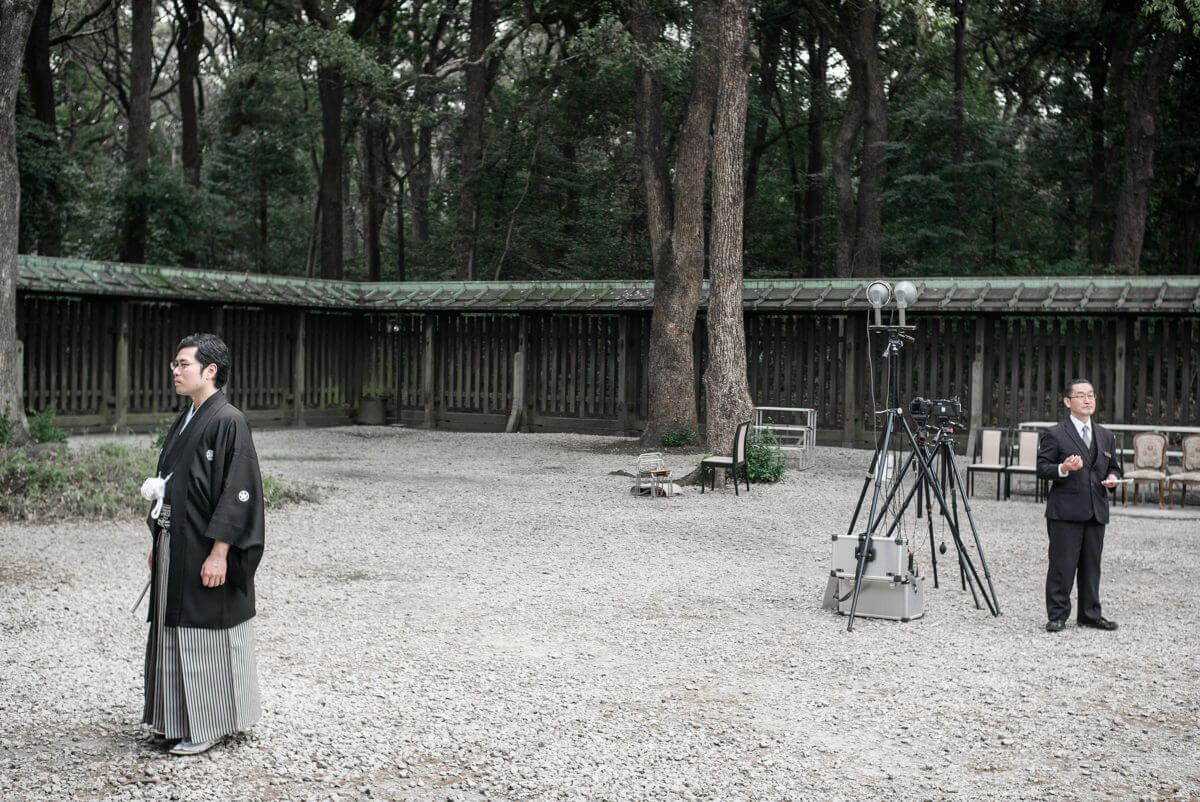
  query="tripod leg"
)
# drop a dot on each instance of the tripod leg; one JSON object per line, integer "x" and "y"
{"x": 929, "y": 521}
{"x": 880, "y": 454}
{"x": 927, "y": 468}
{"x": 978, "y": 545}
{"x": 863, "y": 493}
{"x": 946, "y": 462}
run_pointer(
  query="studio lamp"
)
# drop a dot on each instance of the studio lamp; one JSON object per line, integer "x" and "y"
{"x": 905, "y": 295}
{"x": 879, "y": 293}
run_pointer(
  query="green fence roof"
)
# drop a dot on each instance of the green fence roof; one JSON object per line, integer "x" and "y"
{"x": 1076, "y": 294}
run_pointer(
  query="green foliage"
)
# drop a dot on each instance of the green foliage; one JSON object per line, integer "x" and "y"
{"x": 97, "y": 483}
{"x": 560, "y": 189}
{"x": 42, "y": 428}
{"x": 764, "y": 461}
{"x": 160, "y": 431}
{"x": 679, "y": 436}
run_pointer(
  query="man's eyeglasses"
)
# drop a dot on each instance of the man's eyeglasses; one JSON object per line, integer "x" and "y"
{"x": 1085, "y": 396}
{"x": 180, "y": 365}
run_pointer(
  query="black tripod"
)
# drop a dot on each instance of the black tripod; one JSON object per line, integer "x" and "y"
{"x": 923, "y": 453}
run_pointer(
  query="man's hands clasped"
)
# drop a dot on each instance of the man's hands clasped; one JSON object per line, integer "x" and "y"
{"x": 1075, "y": 462}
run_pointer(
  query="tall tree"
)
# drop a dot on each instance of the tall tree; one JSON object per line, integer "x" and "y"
{"x": 331, "y": 88}
{"x": 189, "y": 44}
{"x": 136, "y": 215}
{"x": 812, "y": 252}
{"x": 960, "y": 78}
{"x": 675, "y": 215}
{"x": 16, "y": 17}
{"x": 39, "y": 80}
{"x": 727, "y": 391}
{"x": 1137, "y": 173}
{"x": 479, "y": 73}
{"x": 853, "y": 27}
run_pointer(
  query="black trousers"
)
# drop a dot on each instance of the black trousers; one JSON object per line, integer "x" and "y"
{"x": 1075, "y": 549}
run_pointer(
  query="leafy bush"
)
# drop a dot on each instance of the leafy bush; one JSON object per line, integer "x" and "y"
{"x": 42, "y": 428}
{"x": 680, "y": 436}
{"x": 6, "y": 431}
{"x": 101, "y": 482}
{"x": 764, "y": 461}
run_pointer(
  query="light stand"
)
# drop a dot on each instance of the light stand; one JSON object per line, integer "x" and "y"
{"x": 924, "y": 454}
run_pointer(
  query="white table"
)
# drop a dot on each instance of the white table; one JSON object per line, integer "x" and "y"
{"x": 796, "y": 437}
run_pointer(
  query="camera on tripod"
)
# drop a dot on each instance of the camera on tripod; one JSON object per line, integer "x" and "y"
{"x": 874, "y": 565}
{"x": 942, "y": 411}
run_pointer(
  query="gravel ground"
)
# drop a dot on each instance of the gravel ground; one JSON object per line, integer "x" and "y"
{"x": 470, "y": 616}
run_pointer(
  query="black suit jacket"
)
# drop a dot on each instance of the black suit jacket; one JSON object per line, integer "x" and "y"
{"x": 1079, "y": 496}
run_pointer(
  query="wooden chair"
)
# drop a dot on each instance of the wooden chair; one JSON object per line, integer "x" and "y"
{"x": 1149, "y": 464}
{"x": 1026, "y": 445}
{"x": 991, "y": 458}
{"x": 730, "y": 464}
{"x": 1190, "y": 474}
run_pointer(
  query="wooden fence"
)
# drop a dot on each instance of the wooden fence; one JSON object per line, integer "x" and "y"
{"x": 101, "y": 362}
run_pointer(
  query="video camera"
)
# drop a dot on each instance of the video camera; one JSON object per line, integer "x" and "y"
{"x": 943, "y": 410}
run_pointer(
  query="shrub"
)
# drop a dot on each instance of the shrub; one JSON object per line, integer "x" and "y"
{"x": 764, "y": 461}
{"x": 160, "y": 431}
{"x": 98, "y": 483}
{"x": 6, "y": 431}
{"x": 42, "y": 428}
{"x": 680, "y": 436}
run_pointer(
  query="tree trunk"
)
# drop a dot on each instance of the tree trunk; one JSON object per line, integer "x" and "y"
{"x": 1097, "y": 154}
{"x": 16, "y": 17}
{"x": 137, "y": 147}
{"x": 648, "y": 136}
{"x": 854, "y": 29}
{"x": 191, "y": 40}
{"x": 1141, "y": 106}
{"x": 771, "y": 52}
{"x": 813, "y": 250}
{"x": 843, "y": 178}
{"x": 869, "y": 234}
{"x": 332, "y": 89}
{"x": 375, "y": 190}
{"x": 727, "y": 391}
{"x": 960, "y": 116}
{"x": 39, "y": 80}
{"x": 466, "y": 246}
{"x": 677, "y": 232}
{"x": 400, "y": 243}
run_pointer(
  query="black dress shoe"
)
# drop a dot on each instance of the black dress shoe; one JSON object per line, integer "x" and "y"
{"x": 1055, "y": 626}
{"x": 1098, "y": 623}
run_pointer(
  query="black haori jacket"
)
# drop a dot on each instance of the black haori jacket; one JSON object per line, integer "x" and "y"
{"x": 215, "y": 493}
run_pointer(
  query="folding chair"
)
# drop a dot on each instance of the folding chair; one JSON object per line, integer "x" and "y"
{"x": 730, "y": 464}
{"x": 990, "y": 459}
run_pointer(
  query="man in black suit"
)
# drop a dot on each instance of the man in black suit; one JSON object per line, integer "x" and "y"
{"x": 1073, "y": 456}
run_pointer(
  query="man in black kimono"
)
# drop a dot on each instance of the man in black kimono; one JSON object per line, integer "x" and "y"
{"x": 1079, "y": 459}
{"x": 201, "y": 682}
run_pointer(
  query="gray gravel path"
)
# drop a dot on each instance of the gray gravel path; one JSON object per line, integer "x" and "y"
{"x": 471, "y": 616}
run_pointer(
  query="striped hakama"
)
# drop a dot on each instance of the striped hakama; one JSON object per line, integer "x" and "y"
{"x": 201, "y": 684}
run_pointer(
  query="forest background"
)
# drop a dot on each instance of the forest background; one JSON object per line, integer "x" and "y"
{"x": 495, "y": 139}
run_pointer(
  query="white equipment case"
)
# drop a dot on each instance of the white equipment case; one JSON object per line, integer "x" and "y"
{"x": 891, "y": 587}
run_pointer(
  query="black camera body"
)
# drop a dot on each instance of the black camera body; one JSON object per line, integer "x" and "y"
{"x": 943, "y": 409}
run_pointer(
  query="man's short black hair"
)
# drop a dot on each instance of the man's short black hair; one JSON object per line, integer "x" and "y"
{"x": 1066, "y": 393}
{"x": 210, "y": 350}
